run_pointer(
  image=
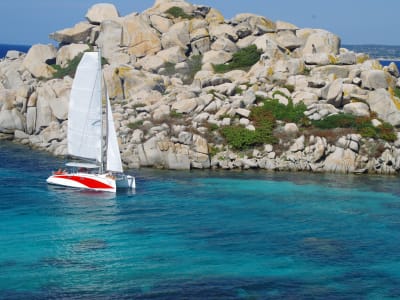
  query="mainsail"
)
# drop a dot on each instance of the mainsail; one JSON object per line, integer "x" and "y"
{"x": 85, "y": 110}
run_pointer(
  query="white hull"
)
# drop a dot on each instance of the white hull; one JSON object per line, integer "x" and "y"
{"x": 94, "y": 182}
{"x": 126, "y": 182}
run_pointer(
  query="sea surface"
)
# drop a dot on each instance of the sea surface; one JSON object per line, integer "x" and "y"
{"x": 6, "y": 47}
{"x": 197, "y": 235}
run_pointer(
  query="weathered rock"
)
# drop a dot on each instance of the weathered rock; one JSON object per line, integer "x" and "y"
{"x": 126, "y": 82}
{"x": 258, "y": 24}
{"x": 151, "y": 63}
{"x": 177, "y": 35}
{"x": 10, "y": 76}
{"x": 101, "y": 12}
{"x": 51, "y": 133}
{"x": 374, "y": 79}
{"x": 13, "y": 54}
{"x": 31, "y": 115}
{"x": 138, "y": 36}
{"x": 270, "y": 48}
{"x": 319, "y": 149}
{"x": 200, "y": 155}
{"x": 68, "y": 52}
{"x": 381, "y": 102}
{"x": 358, "y": 109}
{"x": 214, "y": 16}
{"x": 201, "y": 45}
{"x": 393, "y": 70}
{"x": 285, "y": 26}
{"x": 160, "y": 23}
{"x": 7, "y": 99}
{"x": 173, "y": 55}
{"x": 321, "y": 41}
{"x": 224, "y": 44}
{"x": 223, "y": 31}
{"x": 11, "y": 120}
{"x": 200, "y": 41}
{"x": 298, "y": 144}
{"x": 37, "y": 58}
{"x": 288, "y": 39}
{"x": 291, "y": 128}
{"x": 319, "y": 59}
{"x": 44, "y": 114}
{"x": 340, "y": 161}
{"x": 307, "y": 98}
{"x": 80, "y": 33}
{"x": 346, "y": 58}
{"x": 109, "y": 39}
{"x": 216, "y": 57}
{"x": 324, "y": 72}
{"x": 165, "y": 154}
{"x": 335, "y": 93}
{"x": 185, "y": 106}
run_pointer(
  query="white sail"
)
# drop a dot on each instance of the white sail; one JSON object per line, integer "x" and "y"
{"x": 114, "y": 163}
{"x": 84, "y": 115}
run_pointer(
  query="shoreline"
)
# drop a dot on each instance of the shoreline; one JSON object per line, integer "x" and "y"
{"x": 234, "y": 167}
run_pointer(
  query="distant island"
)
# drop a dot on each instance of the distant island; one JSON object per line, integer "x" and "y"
{"x": 192, "y": 90}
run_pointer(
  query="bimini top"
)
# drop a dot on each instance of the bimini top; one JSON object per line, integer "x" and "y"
{"x": 82, "y": 165}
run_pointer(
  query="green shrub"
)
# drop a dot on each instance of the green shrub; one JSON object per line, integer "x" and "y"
{"x": 289, "y": 113}
{"x": 69, "y": 70}
{"x": 336, "y": 121}
{"x": 177, "y": 12}
{"x": 396, "y": 92}
{"x": 71, "y": 67}
{"x": 138, "y": 105}
{"x": 176, "y": 115}
{"x": 194, "y": 65}
{"x": 135, "y": 125}
{"x": 386, "y": 132}
{"x": 169, "y": 69}
{"x": 361, "y": 125}
{"x": 240, "y": 138}
{"x": 242, "y": 59}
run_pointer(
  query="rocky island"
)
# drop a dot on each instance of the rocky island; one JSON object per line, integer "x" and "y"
{"x": 192, "y": 90}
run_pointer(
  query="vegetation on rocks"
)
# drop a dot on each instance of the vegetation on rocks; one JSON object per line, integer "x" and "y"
{"x": 135, "y": 125}
{"x": 241, "y": 60}
{"x": 293, "y": 113}
{"x": 264, "y": 118}
{"x": 361, "y": 125}
{"x": 70, "y": 69}
{"x": 193, "y": 66}
{"x": 178, "y": 12}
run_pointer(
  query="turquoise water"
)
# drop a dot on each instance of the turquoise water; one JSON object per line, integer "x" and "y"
{"x": 197, "y": 235}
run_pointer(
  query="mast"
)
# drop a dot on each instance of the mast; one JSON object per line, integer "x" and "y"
{"x": 102, "y": 118}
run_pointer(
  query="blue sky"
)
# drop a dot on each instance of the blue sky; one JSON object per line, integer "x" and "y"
{"x": 355, "y": 21}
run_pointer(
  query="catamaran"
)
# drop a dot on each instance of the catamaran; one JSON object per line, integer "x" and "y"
{"x": 91, "y": 134}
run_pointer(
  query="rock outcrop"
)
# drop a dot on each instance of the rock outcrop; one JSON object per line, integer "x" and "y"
{"x": 169, "y": 103}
